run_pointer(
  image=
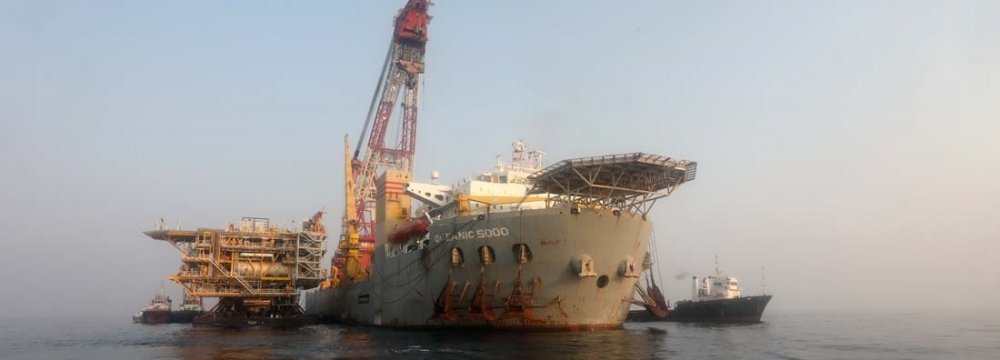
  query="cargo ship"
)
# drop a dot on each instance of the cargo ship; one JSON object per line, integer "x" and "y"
{"x": 714, "y": 298}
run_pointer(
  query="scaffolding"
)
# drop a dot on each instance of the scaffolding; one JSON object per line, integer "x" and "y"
{"x": 254, "y": 268}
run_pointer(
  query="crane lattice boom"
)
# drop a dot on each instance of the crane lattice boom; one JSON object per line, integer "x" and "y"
{"x": 401, "y": 72}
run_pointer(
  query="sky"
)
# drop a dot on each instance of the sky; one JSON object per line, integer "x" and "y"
{"x": 847, "y": 148}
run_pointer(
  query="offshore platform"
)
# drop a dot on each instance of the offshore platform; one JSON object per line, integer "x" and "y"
{"x": 255, "y": 269}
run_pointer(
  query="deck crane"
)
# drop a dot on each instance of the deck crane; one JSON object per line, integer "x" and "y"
{"x": 401, "y": 73}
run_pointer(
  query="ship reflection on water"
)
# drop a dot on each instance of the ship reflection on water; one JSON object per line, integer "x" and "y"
{"x": 805, "y": 335}
{"x": 332, "y": 342}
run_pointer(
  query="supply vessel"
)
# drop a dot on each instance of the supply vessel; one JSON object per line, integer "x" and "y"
{"x": 520, "y": 246}
{"x": 714, "y": 298}
{"x": 190, "y": 308}
{"x": 160, "y": 311}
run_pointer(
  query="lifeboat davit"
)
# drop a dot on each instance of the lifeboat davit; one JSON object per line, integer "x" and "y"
{"x": 417, "y": 227}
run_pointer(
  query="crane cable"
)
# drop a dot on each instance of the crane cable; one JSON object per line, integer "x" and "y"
{"x": 375, "y": 97}
{"x": 656, "y": 253}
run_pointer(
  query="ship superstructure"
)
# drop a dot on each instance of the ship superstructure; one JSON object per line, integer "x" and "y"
{"x": 714, "y": 287}
{"x": 504, "y": 188}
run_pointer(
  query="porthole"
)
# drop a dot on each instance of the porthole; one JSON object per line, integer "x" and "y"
{"x": 486, "y": 255}
{"x": 522, "y": 253}
{"x": 457, "y": 257}
{"x": 602, "y": 281}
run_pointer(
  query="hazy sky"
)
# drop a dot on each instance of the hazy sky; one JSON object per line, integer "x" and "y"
{"x": 849, "y": 147}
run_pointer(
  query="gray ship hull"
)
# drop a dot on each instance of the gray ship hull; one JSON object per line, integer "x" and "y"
{"x": 552, "y": 291}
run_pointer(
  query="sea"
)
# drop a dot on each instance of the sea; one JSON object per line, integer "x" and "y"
{"x": 781, "y": 335}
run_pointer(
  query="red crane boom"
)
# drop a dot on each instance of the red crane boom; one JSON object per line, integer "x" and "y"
{"x": 401, "y": 72}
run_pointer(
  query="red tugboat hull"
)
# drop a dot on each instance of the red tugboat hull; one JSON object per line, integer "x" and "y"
{"x": 155, "y": 317}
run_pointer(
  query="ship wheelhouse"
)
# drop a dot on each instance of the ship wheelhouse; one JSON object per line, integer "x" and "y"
{"x": 715, "y": 287}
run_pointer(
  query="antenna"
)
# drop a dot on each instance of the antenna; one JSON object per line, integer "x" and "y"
{"x": 717, "y": 265}
{"x": 763, "y": 283}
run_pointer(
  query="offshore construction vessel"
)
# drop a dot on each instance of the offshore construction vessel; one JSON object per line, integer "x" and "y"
{"x": 521, "y": 246}
{"x": 558, "y": 248}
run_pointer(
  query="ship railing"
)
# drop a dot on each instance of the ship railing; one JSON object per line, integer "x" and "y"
{"x": 192, "y": 274}
{"x": 209, "y": 293}
{"x": 626, "y": 182}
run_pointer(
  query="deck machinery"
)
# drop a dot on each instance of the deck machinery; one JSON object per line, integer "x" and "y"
{"x": 253, "y": 268}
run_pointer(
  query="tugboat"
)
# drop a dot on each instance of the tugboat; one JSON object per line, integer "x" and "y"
{"x": 714, "y": 298}
{"x": 157, "y": 312}
{"x": 190, "y": 307}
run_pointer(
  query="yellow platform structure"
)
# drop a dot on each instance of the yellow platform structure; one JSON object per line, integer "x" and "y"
{"x": 254, "y": 268}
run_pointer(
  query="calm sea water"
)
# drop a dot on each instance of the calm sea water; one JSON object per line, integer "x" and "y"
{"x": 781, "y": 336}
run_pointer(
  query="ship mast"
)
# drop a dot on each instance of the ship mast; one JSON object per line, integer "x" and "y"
{"x": 717, "y": 272}
{"x": 350, "y": 242}
{"x": 400, "y": 77}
